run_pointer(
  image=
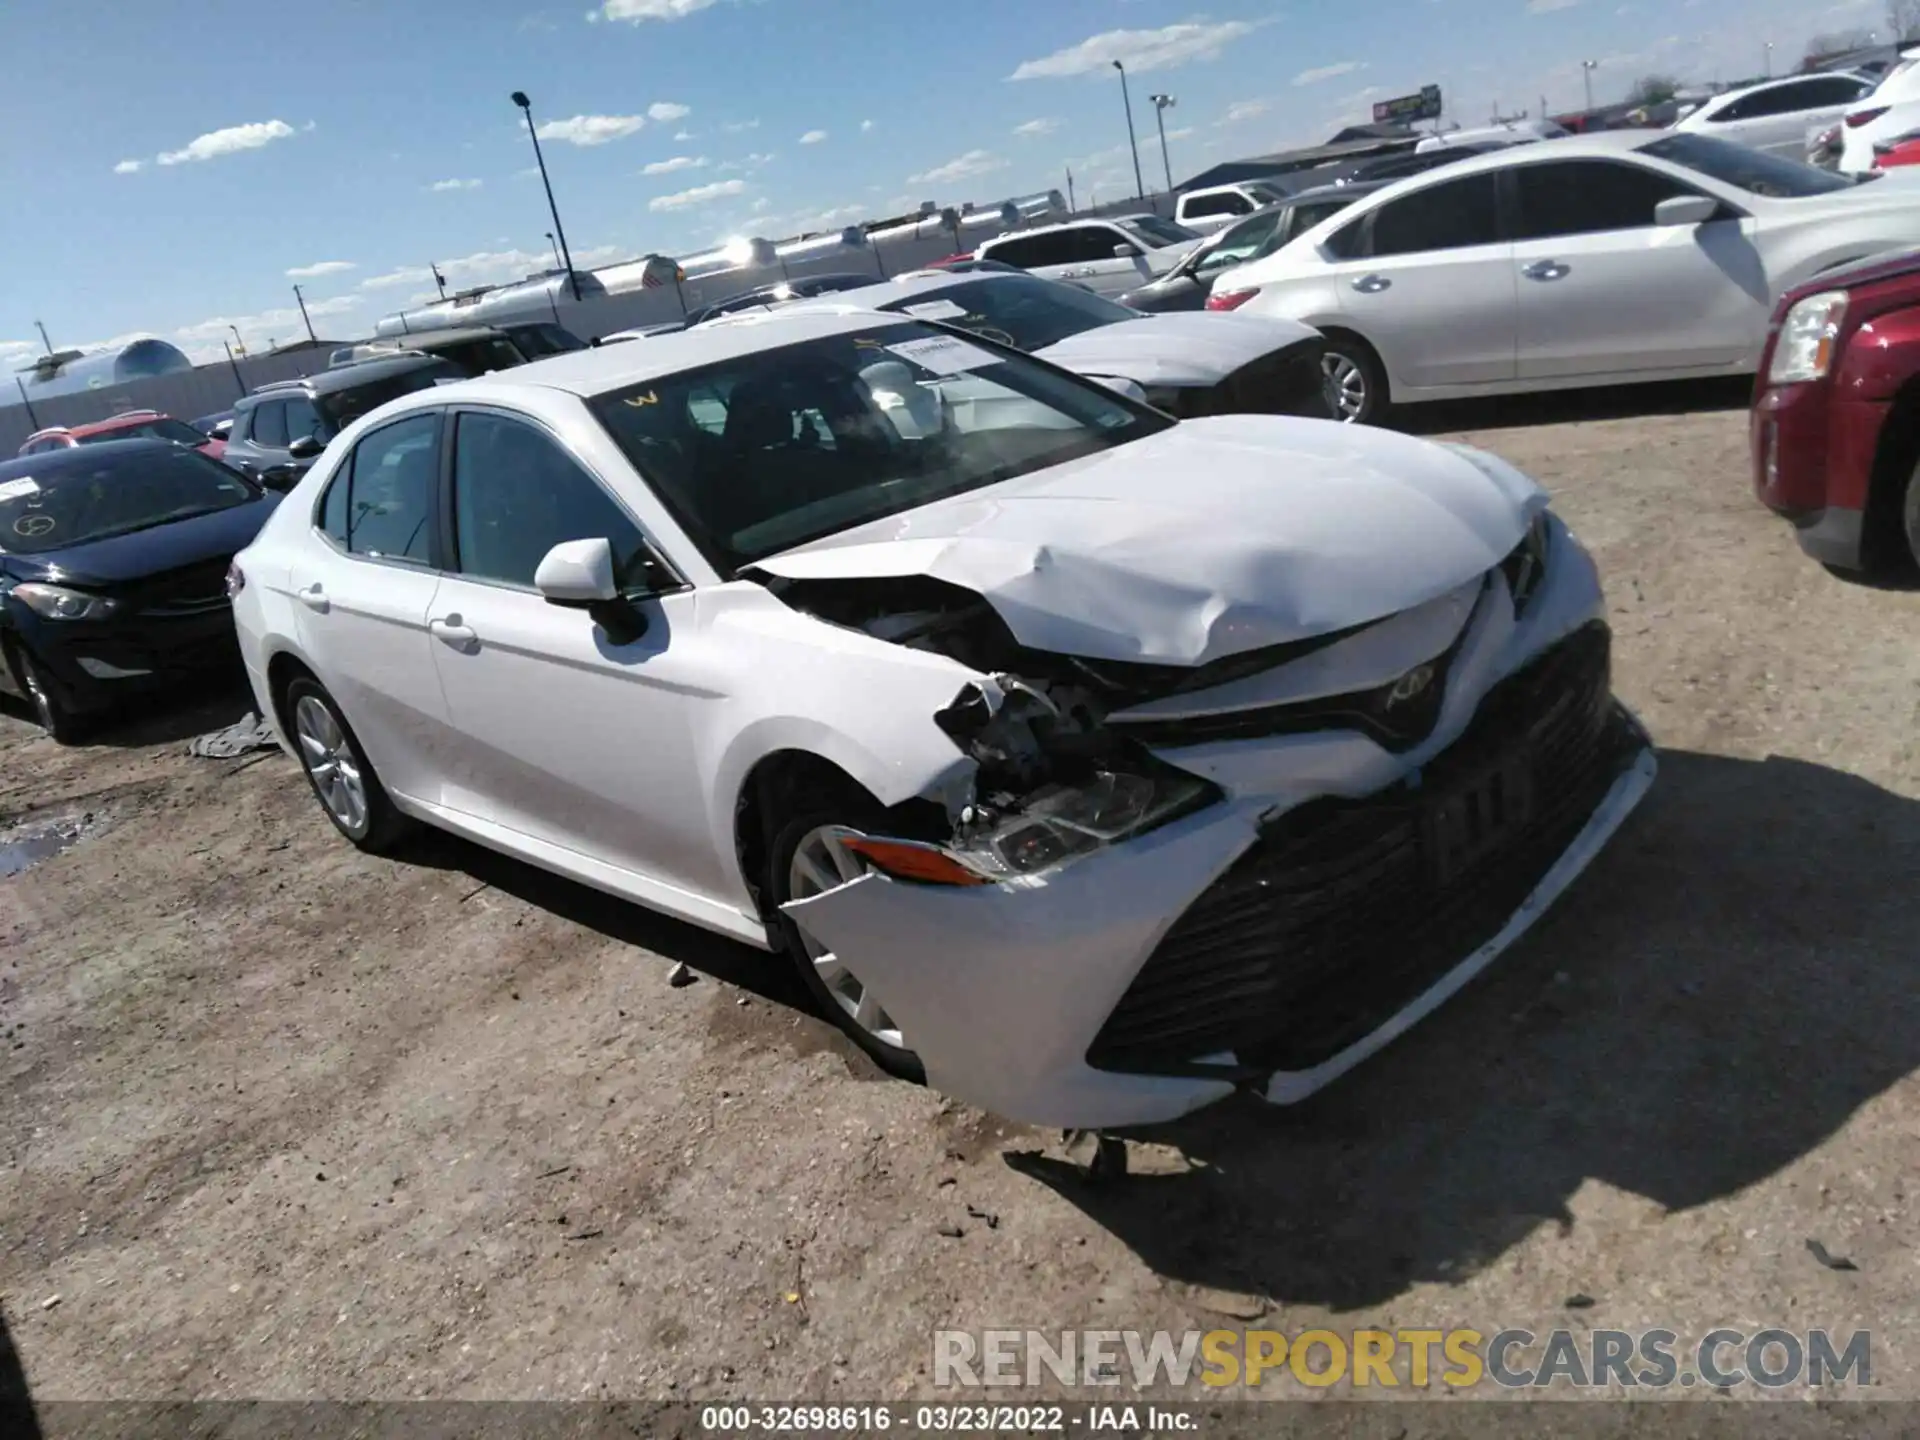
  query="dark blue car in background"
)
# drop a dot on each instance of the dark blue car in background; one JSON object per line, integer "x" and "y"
{"x": 113, "y": 573}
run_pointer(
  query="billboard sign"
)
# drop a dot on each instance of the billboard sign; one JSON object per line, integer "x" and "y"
{"x": 1404, "y": 109}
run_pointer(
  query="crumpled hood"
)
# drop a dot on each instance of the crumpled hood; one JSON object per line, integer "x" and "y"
{"x": 1194, "y": 348}
{"x": 1210, "y": 538}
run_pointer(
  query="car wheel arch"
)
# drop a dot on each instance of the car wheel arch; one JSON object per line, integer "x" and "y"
{"x": 1883, "y": 538}
{"x": 282, "y": 670}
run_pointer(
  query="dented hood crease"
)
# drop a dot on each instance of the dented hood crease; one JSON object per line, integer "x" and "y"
{"x": 1210, "y": 538}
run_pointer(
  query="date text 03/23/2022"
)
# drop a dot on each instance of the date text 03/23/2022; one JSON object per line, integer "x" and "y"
{"x": 941, "y": 1419}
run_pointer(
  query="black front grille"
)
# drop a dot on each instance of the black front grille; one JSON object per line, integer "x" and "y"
{"x": 1346, "y": 910}
{"x": 193, "y": 589}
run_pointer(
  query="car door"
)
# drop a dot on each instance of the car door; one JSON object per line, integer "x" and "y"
{"x": 365, "y": 586}
{"x": 1093, "y": 263}
{"x": 570, "y": 736}
{"x": 1605, "y": 291}
{"x": 1428, "y": 279}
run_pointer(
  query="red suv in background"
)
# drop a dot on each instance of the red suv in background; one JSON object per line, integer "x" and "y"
{"x": 132, "y": 425}
{"x": 1836, "y": 414}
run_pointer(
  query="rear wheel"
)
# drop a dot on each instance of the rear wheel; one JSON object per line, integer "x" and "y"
{"x": 1910, "y": 516}
{"x": 806, "y": 859}
{"x": 337, "y": 768}
{"x": 1356, "y": 386}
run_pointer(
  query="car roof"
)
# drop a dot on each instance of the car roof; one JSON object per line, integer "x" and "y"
{"x": 1352, "y": 190}
{"x": 1062, "y": 225}
{"x": 586, "y": 373}
{"x": 343, "y": 378}
{"x": 77, "y": 457}
{"x": 118, "y": 422}
{"x": 1567, "y": 147}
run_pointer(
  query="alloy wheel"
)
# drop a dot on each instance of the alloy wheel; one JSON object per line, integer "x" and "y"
{"x": 821, "y": 863}
{"x": 331, "y": 762}
{"x": 1346, "y": 386}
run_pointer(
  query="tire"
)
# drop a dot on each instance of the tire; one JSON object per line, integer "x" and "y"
{"x": 1910, "y": 517}
{"x": 337, "y": 769}
{"x": 1356, "y": 385}
{"x": 62, "y": 725}
{"x": 839, "y": 997}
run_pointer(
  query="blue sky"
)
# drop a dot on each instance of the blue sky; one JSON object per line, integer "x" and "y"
{"x": 176, "y": 166}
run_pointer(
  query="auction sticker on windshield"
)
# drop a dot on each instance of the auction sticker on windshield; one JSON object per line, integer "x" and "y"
{"x": 19, "y": 489}
{"x": 935, "y": 310}
{"x": 945, "y": 355}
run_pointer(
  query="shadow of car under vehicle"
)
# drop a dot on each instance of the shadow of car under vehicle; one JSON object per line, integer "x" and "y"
{"x": 17, "y": 1416}
{"x": 1713, "y": 1000}
{"x": 1565, "y": 407}
{"x": 194, "y": 706}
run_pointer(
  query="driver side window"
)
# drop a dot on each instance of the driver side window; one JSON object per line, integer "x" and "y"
{"x": 517, "y": 494}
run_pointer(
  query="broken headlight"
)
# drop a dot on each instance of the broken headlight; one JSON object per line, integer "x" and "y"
{"x": 1526, "y": 564}
{"x": 1059, "y": 823}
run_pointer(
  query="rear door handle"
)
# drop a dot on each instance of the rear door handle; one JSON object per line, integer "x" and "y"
{"x": 1547, "y": 270}
{"x": 450, "y": 631}
{"x": 1372, "y": 284}
{"x": 314, "y": 597}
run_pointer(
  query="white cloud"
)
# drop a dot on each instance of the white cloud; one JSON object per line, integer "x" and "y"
{"x": 1037, "y": 127}
{"x": 319, "y": 268}
{"x": 202, "y": 340}
{"x": 1138, "y": 50}
{"x": 454, "y": 185}
{"x": 865, "y": 126}
{"x": 683, "y": 135}
{"x": 532, "y": 172}
{"x": 1329, "y": 72}
{"x": 230, "y": 141}
{"x": 127, "y": 167}
{"x": 678, "y": 162}
{"x": 698, "y": 195}
{"x": 813, "y": 137}
{"x": 737, "y": 127}
{"x": 1547, "y": 7}
{"x": 591, "y": 129}
{"x": 487, "y": 267}
{"x": 1244, "y": 110}
{"x": 668, "y": 111}
{"x": 961, "y": 167}
{"x": 634, "y": 11}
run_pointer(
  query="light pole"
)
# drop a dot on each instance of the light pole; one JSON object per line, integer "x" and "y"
{"x": 519, "y": 97}
{"x": 553, "y": 247}
{"x": 238, "y": 341}
{"x": 1162, "y": 104}
{"x": 1587, "y": 67}
{"x": 302, "y": 301}
{"x": 1769, "y": 74}
{"x": 43, "y": 336}
{"x": 1139, "y": 185}
{"x": 438, "y": 279}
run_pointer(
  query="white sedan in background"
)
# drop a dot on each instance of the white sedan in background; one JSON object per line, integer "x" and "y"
{"x": 1775, "y": 116}
{"x": 1601, "y": 260}
{"x": 1066, "y": 751}
{"x": 1187, "y": 364}
{"x": 1889, "y": 112}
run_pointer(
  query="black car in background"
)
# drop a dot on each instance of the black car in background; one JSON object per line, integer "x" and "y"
{"x": 1185, "y": 287}
{"x": 279, "y": 430}
{"x": 769, "y": 297}
{"x": 113, "y": 573}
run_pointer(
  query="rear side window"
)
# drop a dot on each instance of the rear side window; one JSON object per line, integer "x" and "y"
{"x": 1588, "y": 197}
{"x": 270, "y": 424}
{"x": 1202, "y": 206}
{"x": 381, "y": 503}
{"x": 303, "y": 420}
{"x": 1453, "y": 215}
{"x": 1029, "y": 251}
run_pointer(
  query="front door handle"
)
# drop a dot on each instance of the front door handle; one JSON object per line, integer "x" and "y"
{"x": 1547, "y": 270}
{"x": 314, "y": 597}
{"x": 451, "y": 632}
{"x": 1372, "y": 284}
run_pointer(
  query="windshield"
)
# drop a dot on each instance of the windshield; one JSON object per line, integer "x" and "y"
{"x": 162, "y": 429}
{"x": 773, "y": 449}
{"x": 1754, "y": 171}
{"x": 537, "y": 341}
{"x": 1264, "y": 194}
{"x": 59, "y": 505}
{"x": 1023, "y": 311}
{"x": 1155, "y": 232}
{"x": 343, "y": 407}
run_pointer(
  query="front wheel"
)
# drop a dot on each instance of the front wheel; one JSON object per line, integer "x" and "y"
{"x": 62, "y": 725}
{"x": 806, "y": 859}
{"x": 1356, "y": 387}
{"x": 337, "y": 769}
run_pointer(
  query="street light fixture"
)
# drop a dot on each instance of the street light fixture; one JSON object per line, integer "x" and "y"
{"x": 1769, "y": 74}
{"x": 519, "y": 97}
{"x": 1139, "y": 185}
{"x": 1162, "y": 104}
{"x": 238, "y": 341}
{"x": 1587, "y": 67}
{"x": 553, "y": 247}
{"x": 301, "y": 300}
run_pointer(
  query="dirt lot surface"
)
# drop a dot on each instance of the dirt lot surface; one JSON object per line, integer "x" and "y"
{"x": 282, "y": 1120}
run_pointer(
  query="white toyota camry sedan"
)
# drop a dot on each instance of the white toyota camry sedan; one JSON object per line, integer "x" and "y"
{"x": 1087, "y": 763}
{"x": 1598, "y": 260}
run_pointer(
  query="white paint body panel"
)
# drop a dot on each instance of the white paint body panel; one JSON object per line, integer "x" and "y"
{"x": 1781, "y": 134}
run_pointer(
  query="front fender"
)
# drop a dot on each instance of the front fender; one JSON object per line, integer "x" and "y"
{"x": 1881, "y": 358}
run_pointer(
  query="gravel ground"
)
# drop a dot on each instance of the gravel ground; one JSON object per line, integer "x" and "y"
{"x": 282, "y": 1120}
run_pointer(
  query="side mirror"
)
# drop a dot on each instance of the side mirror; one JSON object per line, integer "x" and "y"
{"x": 1120, "y": 385}
{"x": 305, "y": 448}
{"x": 1124, "y": 251}
{"x": 578, "y": 575}
{"x": 277, "y": 478}
{"x": 1686, "y": 210}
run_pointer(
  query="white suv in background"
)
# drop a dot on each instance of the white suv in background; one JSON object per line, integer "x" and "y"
{"x": 1888, "y": 113}
{"x": 1775, "y": 117}
{"x": 1108, "y": 257}
{"x": 1218, "y": 206}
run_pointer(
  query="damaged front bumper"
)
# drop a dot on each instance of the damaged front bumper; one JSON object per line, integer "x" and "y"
{"x": 1240, "y": 947}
